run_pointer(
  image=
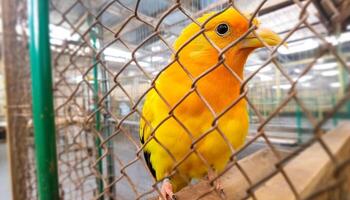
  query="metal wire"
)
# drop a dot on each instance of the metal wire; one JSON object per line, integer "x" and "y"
{"x": 114, "y": 173}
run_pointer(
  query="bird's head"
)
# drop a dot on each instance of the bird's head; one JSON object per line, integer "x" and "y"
{"x": 222, "y": 30}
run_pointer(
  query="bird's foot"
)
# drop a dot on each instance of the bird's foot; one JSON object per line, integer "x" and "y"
{"x": 219, "y": 188}
{"x": 217, "y": 184}
{"x": 167, "y": 191}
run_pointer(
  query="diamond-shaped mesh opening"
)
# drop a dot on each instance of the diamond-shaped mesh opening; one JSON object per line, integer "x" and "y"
{"x": 152, "y": 57}
{"x": 74, "y": 13}
{"x": 117, "y": 55}
{"x": 64, "y": 6}
{"x": 153, "y": 11}
{"x": 114, "y": 14}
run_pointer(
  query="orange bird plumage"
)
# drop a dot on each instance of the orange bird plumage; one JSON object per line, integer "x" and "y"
{"x": 189, "y": 101}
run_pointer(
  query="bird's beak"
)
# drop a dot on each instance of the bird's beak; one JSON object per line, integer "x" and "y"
{"x": 269, "y": 37}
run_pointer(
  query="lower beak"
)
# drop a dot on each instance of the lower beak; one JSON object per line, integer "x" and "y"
{"x": 269, "y": 37}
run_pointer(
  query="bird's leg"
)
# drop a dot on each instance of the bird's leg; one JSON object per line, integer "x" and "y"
{"x": 167, "y": 191}
{"x": 217, "y": 183}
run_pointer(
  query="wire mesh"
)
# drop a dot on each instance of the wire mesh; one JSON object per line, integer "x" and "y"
{"x": 110, "y": 55}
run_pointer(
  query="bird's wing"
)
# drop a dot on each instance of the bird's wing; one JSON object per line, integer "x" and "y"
{"x": 147, "y": 156}
{"x": 147, "y": 117}
{"x": 145, "y": 129}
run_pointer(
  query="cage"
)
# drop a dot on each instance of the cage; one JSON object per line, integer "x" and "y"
{"x": 82, "y": 140}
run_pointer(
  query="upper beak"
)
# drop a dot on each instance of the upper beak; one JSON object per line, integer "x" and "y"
{"x": 269, "y": 37}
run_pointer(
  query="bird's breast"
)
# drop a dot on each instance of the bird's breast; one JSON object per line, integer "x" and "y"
{"x": 214, "y": 92}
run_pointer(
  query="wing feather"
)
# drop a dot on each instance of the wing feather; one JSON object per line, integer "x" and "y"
{"x": 144, "y": 129}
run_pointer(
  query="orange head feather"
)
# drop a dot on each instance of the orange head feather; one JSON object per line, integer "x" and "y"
{"x": 220, "y": 30}
{"x": 199, "y": 49}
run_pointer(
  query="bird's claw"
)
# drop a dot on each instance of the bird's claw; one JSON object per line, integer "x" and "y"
{"x": 173, "y": 197}
{"x": 219, "y": 189}
{"x": 221, "y": 193}
{"x": 217, "y": 185}
{"x": 167, "y": 191}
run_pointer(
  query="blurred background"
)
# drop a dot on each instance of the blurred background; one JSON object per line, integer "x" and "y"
{"x": 129, "y": 57}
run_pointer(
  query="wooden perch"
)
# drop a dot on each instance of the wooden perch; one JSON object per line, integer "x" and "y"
{"x": 308, "y": 171}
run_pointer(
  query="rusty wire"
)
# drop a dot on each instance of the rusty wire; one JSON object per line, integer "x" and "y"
{"x": 86, "y": 122}
{"x": 76, "y": 120}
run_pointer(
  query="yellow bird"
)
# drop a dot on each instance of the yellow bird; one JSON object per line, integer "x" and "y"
{"x": 189, "y": 109}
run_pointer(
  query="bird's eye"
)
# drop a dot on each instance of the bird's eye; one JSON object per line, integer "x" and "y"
{"x": 222, "y": 29}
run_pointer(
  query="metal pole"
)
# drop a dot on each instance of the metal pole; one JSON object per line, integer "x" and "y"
{"x": 94, "y": 41}
{"x": 335, "y": 117}
{"x": 299, "y": 122}
{"x": 43, "y": 111}
{"x": 108, "y": 129}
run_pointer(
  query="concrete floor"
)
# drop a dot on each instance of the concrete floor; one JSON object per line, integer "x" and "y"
{"x": 5, "y": 187}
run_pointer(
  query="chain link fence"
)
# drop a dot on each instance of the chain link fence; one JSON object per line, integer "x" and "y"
{"x": 107, "y": 56}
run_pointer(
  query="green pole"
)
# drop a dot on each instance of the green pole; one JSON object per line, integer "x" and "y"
{"x": 94, "y": 41}
{"x": 344, "y": 81}
{"x": 250, "y": 112}
{"x": 347, "y": 114}
{"x": 346, "y": 88}
{"x": 335, "y": 117}
{"x": 298, "y": 116}
{"x": 108, "y": 129}
{"x": 98, "y": 128}
{"x": 43, "y": 111}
